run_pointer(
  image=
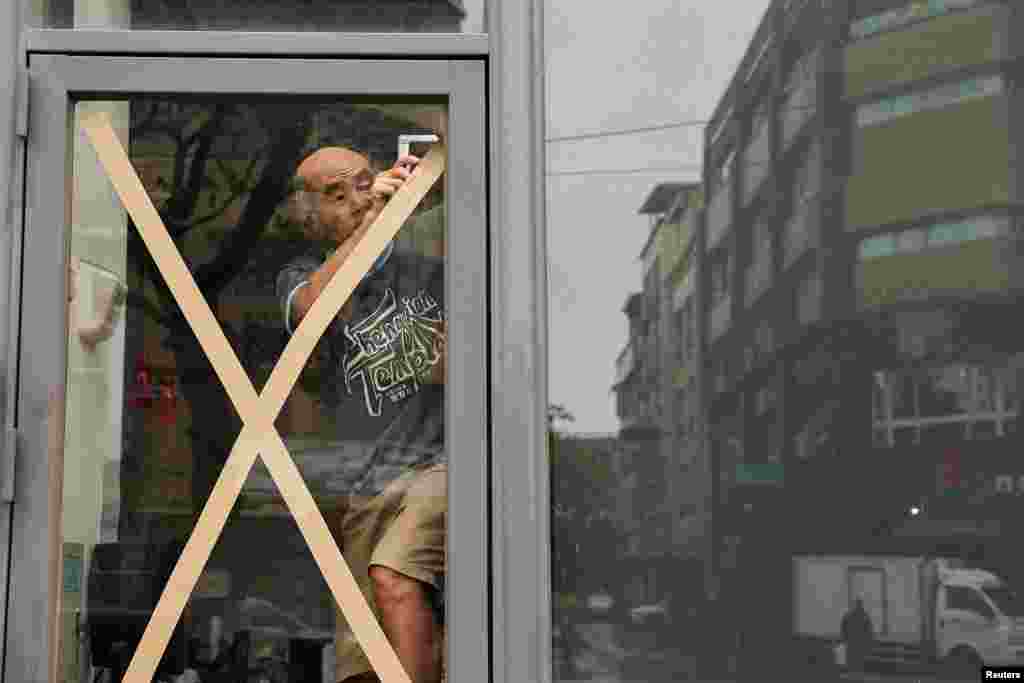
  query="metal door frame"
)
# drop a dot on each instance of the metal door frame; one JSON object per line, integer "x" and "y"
{"x": 55, "y": 83}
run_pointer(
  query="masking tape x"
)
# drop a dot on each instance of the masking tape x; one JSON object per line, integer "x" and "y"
{"x": 258, "y": 411}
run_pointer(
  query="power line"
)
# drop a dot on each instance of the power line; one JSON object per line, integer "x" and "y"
{"x": 628, "y": 131}
{"x": 693, "y": 123}
{"x": 628, "y": 171}
{"x": 655, "y": 169}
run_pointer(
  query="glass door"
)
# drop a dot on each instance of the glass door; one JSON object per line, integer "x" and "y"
{"x": 246, "y": 455}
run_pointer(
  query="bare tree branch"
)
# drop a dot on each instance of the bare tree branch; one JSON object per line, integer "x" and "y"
{"x": 183, "y": 203}
{"x": 155, "y": 313}
{"x": 179, "y": 229}
{"x": 289, "y": 137}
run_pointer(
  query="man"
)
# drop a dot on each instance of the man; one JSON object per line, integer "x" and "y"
{"x": 382, "y": 361}
{"x": 858, "y": 634}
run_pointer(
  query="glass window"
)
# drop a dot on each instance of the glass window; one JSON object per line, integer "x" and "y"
{"x": 932, "y": 98}
{"x": 260, "y": 196}
{"x": 719, "y": 177}
{"x": 904, "y": 396}
{"x": 721, "y": 273}
{"x": 1006, "y": 599}
{"x": 350, "y": 16}
{"x": 761, "y": 117}
{"x": 874, "y": 247}
{"x": 807, "y": 179}
{"x": 759, "y": 272}
{"x": 968, "y": 600}
{"x": 880, "y": 19}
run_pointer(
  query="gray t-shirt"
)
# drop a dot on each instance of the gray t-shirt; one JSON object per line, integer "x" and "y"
{"x": 372, "y": 367}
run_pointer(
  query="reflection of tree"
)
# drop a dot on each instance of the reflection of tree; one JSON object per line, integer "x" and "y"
{"x": 198, "y": 162}
{"x": 583, "y": 525}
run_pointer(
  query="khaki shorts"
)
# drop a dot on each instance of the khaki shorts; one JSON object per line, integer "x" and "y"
{"x": 402, "y": 529}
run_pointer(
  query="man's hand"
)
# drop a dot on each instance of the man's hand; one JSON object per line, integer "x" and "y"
{"x": 385, "y": 185}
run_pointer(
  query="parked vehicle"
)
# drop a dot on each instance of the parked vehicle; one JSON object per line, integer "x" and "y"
{"x": 656, "y": 614}
{"x": 600, "y": 603}
{"x": 930, "y": 611}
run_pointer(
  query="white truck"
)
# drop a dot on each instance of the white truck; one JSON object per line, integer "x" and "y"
{"x": 924, "y": 611}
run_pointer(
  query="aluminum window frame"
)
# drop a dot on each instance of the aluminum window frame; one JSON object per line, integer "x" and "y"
{"x": 57, "y": 81}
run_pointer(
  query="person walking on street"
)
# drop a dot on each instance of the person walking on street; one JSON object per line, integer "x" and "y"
{"x": 858, "y": 635}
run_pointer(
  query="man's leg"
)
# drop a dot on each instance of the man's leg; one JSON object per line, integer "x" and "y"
{"x": 407, "y": 564}
{"x": 407, "y": 618}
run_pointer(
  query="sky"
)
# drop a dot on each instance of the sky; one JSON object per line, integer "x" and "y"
{"x": 625, "y": 65}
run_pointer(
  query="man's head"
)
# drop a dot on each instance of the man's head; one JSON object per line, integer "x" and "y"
{"x": 333, "y": 193}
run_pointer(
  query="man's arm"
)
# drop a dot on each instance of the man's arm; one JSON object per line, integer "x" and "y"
{"x": 304, "y": 297}
{"x": 384, "y": 187}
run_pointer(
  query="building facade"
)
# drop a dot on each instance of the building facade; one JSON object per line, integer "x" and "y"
{"x": 656, "y": 398}
{"x": 858, "y": 248}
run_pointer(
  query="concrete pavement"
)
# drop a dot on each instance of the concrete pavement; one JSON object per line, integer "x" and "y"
{"x": 600, "y": 659}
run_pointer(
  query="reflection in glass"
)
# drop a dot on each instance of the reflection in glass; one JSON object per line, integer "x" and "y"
{"x": 149, "y": 426}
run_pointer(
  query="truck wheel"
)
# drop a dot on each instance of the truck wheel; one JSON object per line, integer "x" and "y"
{"x": 963, "y": 664}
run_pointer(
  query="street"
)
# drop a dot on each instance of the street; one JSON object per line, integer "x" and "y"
{"x": 601, "y": 660}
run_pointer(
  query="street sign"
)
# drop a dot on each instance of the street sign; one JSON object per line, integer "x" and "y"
{"x": 759, "y": 473}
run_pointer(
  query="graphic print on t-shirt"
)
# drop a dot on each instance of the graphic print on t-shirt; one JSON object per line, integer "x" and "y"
{"x": 392, "y": 348}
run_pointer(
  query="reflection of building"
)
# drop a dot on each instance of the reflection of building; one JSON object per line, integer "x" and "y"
{"x": 656, "y": 399}
{"x": 858, "y": 251}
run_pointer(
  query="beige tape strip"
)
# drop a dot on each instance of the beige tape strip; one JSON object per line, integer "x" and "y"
{"x": 258, "y": 412}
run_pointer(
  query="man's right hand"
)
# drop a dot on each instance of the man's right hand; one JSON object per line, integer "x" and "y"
{"x": 385, "y": 185}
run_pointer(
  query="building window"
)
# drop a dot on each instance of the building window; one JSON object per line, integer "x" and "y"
{"x": 721, "y": 275}
{"x": 880, "y": 21}
{"x": 760, "y": 119}
{"x": 957, "y": 401}
{"x": 757, "y": 155}
{"x": 719, "y": 207}
{"x": 799, "y": 96}
{"x": 804, "y": 69}
{"x": 686, "y": 332}
{"x": 796, "y": 232}
{"x": 808, "y": 299}
{"x": 935, "y": 236}
{"x": 759, "y": 272}
{"x": 721, "y": 172}
{"x": 941, "y": 260}
{"x": 934, "y": 98}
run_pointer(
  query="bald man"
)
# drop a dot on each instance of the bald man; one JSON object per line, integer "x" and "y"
{"x": 383, "y": 365}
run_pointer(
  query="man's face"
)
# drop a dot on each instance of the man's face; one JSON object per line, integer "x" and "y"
{"x": 344, "y": 181}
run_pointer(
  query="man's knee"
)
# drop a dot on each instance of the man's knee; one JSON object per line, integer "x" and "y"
{"x": 391, "y": 588}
